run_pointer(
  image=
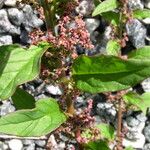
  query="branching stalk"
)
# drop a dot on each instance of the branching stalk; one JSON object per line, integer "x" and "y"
{"x": 119, "y": 126}
{"x": 119, "y": 123}
{"x": 70, "y": 105}
{"x": 49, "y": 14}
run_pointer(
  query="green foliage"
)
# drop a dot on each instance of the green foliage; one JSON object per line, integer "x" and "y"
{"x": 86, "y": 134}
{"x": 51, "y": 9}
{"x": 22, "y": 99}
{"x": 96, "y": 2}
{"x": 113, "y": 47}
{"x": 110, "y": 73}
{"x": 18, "y": 65}
{"x": 141, "y": 14}
{"x": 97, "y": 145}
{"x": 54, "y": 61}
{"x": 43, "y": 119}
{"x": 105, "y": 6}
{"x": 142, "y": 102}
{"x": 106, "y": 131}
{"x": 91, "y": 74}
{"x": 129, "y": 148}
{"x": 111, "y": 17}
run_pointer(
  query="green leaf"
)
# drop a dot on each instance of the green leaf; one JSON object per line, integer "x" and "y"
{"x": 141, "y": 14}
{"x": 18, "y": 66}
{"x": 111, "y": 17}
{"x": 43, "y": 119}
{"x": 86, "y": 134}
{"x": 105, "y": 6}
{"x": 129, "y": 148}
{"x": 96, "y": 2}
{"x": 22, "y": 99}
{"x": 110, "y": 73}
{"x": 97, "y": 145}
{"x": 142, "y": 102}
{"x": 113, "y": 48}
{"x": 106, "y": 131}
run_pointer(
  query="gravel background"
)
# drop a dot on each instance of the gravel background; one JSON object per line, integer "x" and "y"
{"x": 15, "y": 24}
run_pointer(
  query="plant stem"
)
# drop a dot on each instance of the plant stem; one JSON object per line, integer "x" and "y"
{"x": 70, "y": 105}
{"x": 119, "y": 126}
{"x": 120, "y": 25}
{"x": 49, "y": 14}
{"x": 119, "y": 123}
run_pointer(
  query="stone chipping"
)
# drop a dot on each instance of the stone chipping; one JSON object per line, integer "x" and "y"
{"x": 15, "y": 25}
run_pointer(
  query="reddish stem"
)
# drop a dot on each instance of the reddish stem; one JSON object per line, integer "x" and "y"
{"x": 119, "y": 126}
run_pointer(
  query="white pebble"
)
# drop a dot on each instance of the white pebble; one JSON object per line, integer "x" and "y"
{"x": 15, "y": 144}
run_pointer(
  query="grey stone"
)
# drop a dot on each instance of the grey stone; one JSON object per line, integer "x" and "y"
{"x": 6, "y": 39}
{"x": 107, "y": 33}
{"x": 40, "y": 88}
{"x": 98, "y": 119}
{"x": 138, "y": 143}
{"x": 106, "y": 111}
{"x": 141, "y": 117}
{"x": 92, "y": 24}
{"x": 40, "y": 96}
{"x": 112, "y": 112}
{"x": 136, "y": 32}
{"x": 63, "y": 138}
{"x": 80, "y": 102}
{"x": 132, "y": 135}
{"x": 146, "y": 85}
{"x": 53, "y": 142}
{"x": 6, "y": 108}
{"x": 28, "y": 142}
{"x": 30, "y": 147}
{"x": 38, "y": 81}
{"x": 1, "y": 3}
{"x": 40, "y": 143}
{"x": 141, "y": 127}
{"x": 100, "y": 106}
{"x": 147, "y": 4}
{"x": 101, "y": 42}
{"x": 135, "y": 4}
{"x": 146, "y": 20}
{"x": 24, "y": 37}
{"x": 146, "y": 146}
{"x": 70, "y": 147}
{"x": 29, "y": 88}
{"x": 71, "y": 25}
{"x": 30, "y": 19}
{"x": 15, "y": 16}
{"x": 3, "y": 146}
{"x": 53, "y": 89}
{"x": 132, "y": 122}
{"x": 80, "y": 99}
{"x": 108, "y": 105}
{"x": 4, "y": 21}
{"x": 138, "y": 129}
{"x": 5, "y": 25}
{"x": 10, "y": 3}
{"x": 14, "y": 30}
{"x": 85, "y": 7}
{"x": 40, "y": 148}
{"x": 147, "y": 133}
{"x": 61, "y": 146}
{"x": 15, "y": 144}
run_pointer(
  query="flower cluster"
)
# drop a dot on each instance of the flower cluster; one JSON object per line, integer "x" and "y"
{"x": 68, "y": 36}
{"x": 71, "y": 36}
{"x": 77, "y": 124}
